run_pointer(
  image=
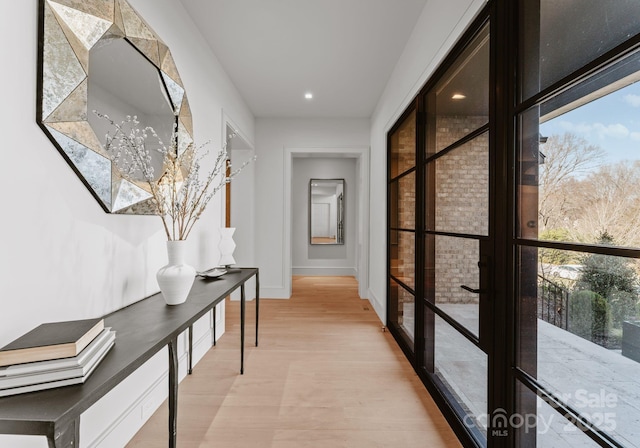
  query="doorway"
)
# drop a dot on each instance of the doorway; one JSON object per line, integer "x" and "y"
{"x": 359, "y": 156}
{"x": 238, "y": 203}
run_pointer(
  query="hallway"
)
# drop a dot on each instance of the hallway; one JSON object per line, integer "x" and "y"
{"x": 324, "y": 375}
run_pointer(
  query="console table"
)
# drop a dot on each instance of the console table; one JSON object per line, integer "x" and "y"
{"x": 142, "y": 329}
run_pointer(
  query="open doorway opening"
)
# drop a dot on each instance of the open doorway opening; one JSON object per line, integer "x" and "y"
{"x": 239, "y": 198}
{"x": 294, "y": 224}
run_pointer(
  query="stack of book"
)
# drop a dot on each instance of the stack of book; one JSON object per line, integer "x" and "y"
{"x": 54, "y": 355}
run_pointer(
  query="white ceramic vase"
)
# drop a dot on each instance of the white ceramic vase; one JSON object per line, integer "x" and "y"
{"x": 176, "y": 278}
{"x": 226, "y": 246}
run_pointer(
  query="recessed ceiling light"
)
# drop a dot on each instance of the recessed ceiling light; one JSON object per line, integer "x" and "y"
{"x": 308, "y": 95}
{"x": 458, "y": 96}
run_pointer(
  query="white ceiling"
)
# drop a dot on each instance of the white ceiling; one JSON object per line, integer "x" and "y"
{"x": 343, "y": 51}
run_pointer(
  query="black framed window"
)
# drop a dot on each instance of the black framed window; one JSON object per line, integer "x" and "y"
{"x": 577, "y": 254}
{"x": 525, "y": 287}
{"x": 402, "y": 229}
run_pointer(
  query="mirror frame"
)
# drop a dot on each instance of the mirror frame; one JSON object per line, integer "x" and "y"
{"x": 68, "y": 30}
{"x": 340, "y": 213}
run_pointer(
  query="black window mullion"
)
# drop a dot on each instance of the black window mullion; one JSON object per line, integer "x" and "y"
{"x": 567, "y": 82}
{"x": 568, "y": 412}
{"x": 454, "y": 323}
{"x": 616, "y": 251}
{"x": 403, "y": 174}
{"x": 458, "y": 143}
{"x": 403, "y": 284}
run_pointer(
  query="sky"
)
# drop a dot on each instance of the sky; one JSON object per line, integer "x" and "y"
{"x": 611, "y": 122}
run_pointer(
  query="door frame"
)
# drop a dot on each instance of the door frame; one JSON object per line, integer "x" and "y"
{"x": 361, "y": 154}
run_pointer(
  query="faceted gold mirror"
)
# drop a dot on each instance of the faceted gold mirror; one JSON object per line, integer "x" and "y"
{"x": 101, "y": 55}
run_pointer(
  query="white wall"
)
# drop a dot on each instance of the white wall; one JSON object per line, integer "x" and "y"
{"x": 273, "y": 138}
{"x": 440, "y": 24}
{"x": 62, "y": 257}
{"x": 243, "y": 217}
{"x": 323, "y": 259}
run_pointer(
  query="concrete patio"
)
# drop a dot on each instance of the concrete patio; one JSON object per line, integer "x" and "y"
{"x": 601, "y": 384}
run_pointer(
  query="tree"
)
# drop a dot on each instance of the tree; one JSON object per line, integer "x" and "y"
{"x": 612, "y": 278}
{"x": 589, "y": 316}
{"x": 608, "y": 201}
{"x": 567, "y": 157}
{"x": 556, "y": 256}
{"x": 585, "y": 198}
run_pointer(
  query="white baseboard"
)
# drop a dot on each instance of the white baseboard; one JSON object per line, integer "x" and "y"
{"x": 325, "y": 271}
{"x": 379, "y": 307}
{"x": 274, "y": 292}
{"x": 127, "y": 424}
{"x": 152, "y": 378}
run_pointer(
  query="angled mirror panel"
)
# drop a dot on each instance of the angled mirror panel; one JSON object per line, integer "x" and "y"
{"x": 175, "y": 91}
{"x": 101, "y": 55}
{"x": 127, "y": 194}
{"x": 84, "y": 28}
{"x": 91, "y": 165}
{"x": 61, "y": 69}
{"x": 326, "y": 211}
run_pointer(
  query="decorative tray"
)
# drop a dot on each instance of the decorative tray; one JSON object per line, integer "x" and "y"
{"x": 212, "y": 273}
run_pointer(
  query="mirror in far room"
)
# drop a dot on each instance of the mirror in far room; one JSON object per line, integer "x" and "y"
{"x": 326, "y": 211}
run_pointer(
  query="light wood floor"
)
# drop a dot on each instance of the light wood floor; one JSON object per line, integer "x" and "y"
{"x": 324, "y": 376}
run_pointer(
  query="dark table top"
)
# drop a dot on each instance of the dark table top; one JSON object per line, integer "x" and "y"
{"x": 142, "y": 329}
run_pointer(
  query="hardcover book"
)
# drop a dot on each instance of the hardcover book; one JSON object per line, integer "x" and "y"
{"x": 42, "y": 371}
{"x": 51, "y": 341}
{"x": 57, "y": 378}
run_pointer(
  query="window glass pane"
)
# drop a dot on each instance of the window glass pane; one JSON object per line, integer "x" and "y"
{"x": 459, "y": 103}
{"x": 403, "y": 202}
{"x": 462, "y": 367}
{"x": 402, "y": 312}
{"x": 581, "y": 321}
{"x": 462, "y": 189}
{"x": 580, "y": 167}
{"x": 403, "y": 147}
{"x": 562, "y": 36}
{"x": 403, "y": 257}
{"x": 456, "y": 264}
{"x": 538, "y": 420}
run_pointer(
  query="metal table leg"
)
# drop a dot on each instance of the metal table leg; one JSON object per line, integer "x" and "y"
{"x": 242, "y": 313}
{"x": 257, "y": 304}
{"x": 67, "y": 436}
{"x": 190, "y": 349}
{"x": 173, "y": 392}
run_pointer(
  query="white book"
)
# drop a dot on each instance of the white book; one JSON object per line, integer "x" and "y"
{"x": 53, "y": 384}
{"x": 57, "y": 383}
{"x": 41, "y": 386}
{"x": 60, "y": 364}
{"x": 89, "y": 361}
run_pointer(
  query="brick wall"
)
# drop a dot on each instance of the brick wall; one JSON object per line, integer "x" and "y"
{"x": 403, "y": 158}
{"x": 461, "y": 190}
{"x": 462, "y": 207}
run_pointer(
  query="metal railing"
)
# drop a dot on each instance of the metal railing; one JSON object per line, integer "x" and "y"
{"x": 553, "y": 302}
